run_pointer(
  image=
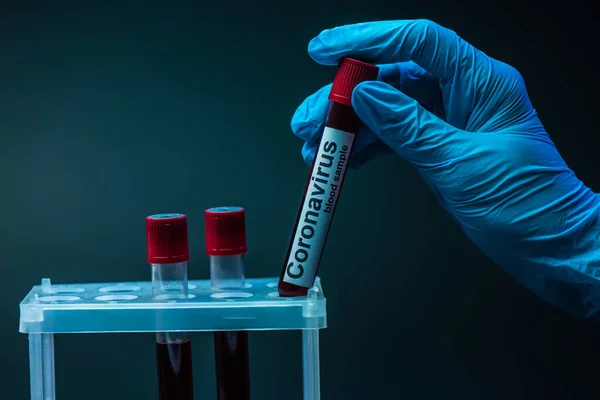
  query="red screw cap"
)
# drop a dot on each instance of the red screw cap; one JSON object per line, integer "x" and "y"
{"x": 167, "y": 238}
{"x": 225, "y": 231}
{"x": 349, "y": 74}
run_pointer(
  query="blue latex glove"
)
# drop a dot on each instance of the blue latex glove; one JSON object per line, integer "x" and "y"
{"x": 464, "y": 120}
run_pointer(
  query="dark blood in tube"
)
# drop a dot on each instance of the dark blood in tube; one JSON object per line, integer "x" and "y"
{"x": 325, "y": 181}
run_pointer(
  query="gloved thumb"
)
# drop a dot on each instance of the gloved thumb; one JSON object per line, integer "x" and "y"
{"x": 403, "y": 124}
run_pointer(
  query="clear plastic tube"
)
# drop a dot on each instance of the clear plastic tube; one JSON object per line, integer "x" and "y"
{"x": 227, "y": 272}
{"x": 170, "y": 280}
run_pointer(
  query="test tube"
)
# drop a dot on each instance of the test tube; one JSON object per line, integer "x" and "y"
{"x": 324, "y": 183}
{"x": 167, "y": 247}
{"x": 226, "y": 245}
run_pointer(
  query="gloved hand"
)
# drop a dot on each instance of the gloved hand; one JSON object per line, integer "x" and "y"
{"x": 465, "y": 122}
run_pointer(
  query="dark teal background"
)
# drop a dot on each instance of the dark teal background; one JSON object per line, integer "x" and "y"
{"x": 109, "y": 113}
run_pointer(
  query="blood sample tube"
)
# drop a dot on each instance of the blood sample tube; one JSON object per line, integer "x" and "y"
{"x": 226, "y": 245}
{"x": 324, "y": 183}
{"x": 167, "y": 246}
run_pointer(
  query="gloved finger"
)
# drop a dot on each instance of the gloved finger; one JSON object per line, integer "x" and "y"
{"x": 398, "y": 72}
{"x": 309, "y": 150}
{"x": 413, "y": 80}
{"x": 309, "y": 118}
{"x": 431, "y": 46}
{"x": 404, "y": 125}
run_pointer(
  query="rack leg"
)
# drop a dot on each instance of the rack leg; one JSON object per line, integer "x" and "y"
{"x": 41, "y": 366}
{"x": 35, "y": 366}
{"x": 310, "y": 363}
{"x": 48, "y": 365}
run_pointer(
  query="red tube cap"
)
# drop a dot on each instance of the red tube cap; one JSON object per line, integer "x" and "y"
{"x": 225, "y": 231}
{"x": 349, "y": 74}
{"x": 167, "y": 238}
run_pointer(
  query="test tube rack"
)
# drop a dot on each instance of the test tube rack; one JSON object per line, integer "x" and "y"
{"x": 128, "y": 307}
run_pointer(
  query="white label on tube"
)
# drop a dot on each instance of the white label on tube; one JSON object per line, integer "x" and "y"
{"x": 321, "y": 197}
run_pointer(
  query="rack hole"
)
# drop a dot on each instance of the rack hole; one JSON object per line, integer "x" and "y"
{"x": 231, "y": 295}
{"x": 272, "y": 284}
{"x": 174, "y": 296}
{"x": 192, "y": 287}
{"x": 119, "y": 289}
{"x": 115, "y": 297}
{"x": 64, "y": 290}
{"x": 58, "y": 298}
{"x": 273, "y": 294}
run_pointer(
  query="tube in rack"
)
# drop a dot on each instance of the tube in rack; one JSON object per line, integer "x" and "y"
{"x": 167, "y": 247}
{"x": 226, "y": 245}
